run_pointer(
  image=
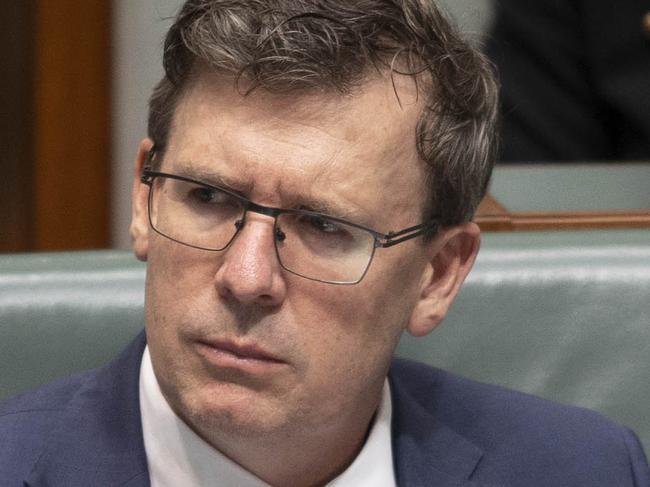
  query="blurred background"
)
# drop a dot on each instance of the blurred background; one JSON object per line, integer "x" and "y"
{"x": 77, "y": 76}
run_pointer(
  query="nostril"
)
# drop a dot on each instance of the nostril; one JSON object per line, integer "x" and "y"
{"x": 265, "y": 299}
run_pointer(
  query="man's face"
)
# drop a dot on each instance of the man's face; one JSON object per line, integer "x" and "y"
{"x": 240, "y": 346}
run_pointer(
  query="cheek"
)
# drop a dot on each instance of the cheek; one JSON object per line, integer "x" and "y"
{"x": 385, "y": 308}
{"x": 355, "y": 326}
{"x": 176, "y": 285}
{"x": 348, "y": 338}
{"x": 176, "y": 274}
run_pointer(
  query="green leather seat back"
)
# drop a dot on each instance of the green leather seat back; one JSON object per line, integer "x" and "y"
{"x": 65, "y": 312}
{"x": 563, "y": 315}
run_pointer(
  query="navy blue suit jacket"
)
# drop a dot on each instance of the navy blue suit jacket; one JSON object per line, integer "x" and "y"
{"x": 447, "y": 431}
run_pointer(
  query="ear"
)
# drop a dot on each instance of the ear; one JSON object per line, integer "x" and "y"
{"x": 139, "y": 228}
{"x": 453, "y": 253}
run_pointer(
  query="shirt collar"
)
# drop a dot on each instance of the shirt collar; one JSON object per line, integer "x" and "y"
{"x": 178, "y": 456}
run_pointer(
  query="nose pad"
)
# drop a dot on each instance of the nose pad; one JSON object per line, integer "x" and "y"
{"x": 280, "y": 236}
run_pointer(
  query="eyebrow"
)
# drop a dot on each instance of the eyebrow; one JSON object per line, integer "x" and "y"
{"x": 353, "y": 215}
{"x": 214, "y": 179}
{"x": 304, "y": 202}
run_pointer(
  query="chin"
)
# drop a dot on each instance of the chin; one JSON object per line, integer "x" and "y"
{"x": 233, "y": 411}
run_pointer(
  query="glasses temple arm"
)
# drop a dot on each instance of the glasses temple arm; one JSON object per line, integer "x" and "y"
{"x": 393, "y": 238}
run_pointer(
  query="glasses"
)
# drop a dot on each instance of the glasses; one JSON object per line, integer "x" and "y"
{"x": 307, "y": 243}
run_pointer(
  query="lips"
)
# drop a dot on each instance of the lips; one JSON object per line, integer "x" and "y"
{"x": 227, "y": 354}
{"x": 241, "y": 351}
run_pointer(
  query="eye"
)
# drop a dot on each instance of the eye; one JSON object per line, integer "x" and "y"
{"x": 205, "y": 195}
{"x": 322, "y": 225}
{"x": 211, "y": 201}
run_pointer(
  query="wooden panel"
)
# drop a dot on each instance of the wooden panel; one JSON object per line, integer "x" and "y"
{"x": 492, "y": 216}
{"x": 16, "y": 192}
{"x": 72, "y": 137}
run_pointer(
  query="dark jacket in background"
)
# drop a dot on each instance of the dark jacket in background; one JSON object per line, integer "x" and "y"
{"x": 575, "y": 77}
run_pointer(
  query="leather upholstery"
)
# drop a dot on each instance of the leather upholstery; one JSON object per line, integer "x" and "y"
{"x": 65, "y": 312}
{"x": 563, "y": 315}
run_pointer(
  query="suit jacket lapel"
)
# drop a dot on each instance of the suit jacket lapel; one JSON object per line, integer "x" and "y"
{"x": 99, "y": 440}
{"x": 426, "y": 452}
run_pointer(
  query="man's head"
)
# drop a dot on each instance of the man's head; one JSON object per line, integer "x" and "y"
{"x": 303, "y": 105}
{"x": 306, "y": 46}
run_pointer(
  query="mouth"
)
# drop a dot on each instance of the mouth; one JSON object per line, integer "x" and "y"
{"x": 226, "y": 354}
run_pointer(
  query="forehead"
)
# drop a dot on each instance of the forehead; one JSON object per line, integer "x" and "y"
{"x": 357, "y": 149}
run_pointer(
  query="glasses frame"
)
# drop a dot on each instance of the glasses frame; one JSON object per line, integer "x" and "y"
{"x": 381, "y": 240}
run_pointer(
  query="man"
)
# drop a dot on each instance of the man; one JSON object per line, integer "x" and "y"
{"x": 303, "y": 198}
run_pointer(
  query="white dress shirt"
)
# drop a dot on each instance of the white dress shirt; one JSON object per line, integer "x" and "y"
{"x": 176, "y": 456}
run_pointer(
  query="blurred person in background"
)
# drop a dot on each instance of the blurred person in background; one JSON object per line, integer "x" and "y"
{"x": 575, "y": 78}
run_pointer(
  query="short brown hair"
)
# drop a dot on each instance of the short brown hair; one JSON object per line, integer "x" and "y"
{"x": 290, "y": 46}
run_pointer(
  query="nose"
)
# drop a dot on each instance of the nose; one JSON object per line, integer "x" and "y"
{"x": 250, "y": 272}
